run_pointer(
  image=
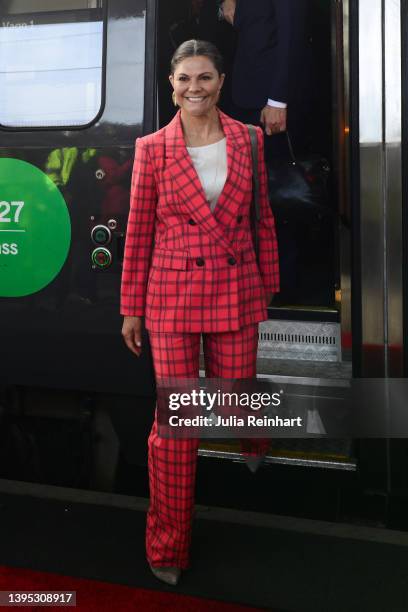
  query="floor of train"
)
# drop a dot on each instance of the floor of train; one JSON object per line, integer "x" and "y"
{"x": 277, "y": 563}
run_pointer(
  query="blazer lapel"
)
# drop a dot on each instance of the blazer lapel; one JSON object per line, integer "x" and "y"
{"x": 239, "y": 177}
{"x": 181, "y": 168}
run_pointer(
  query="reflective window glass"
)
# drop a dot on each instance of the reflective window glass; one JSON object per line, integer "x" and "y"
{"x": 50, "y": 62}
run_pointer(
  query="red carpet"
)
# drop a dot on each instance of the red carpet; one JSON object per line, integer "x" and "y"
{"x": 94, "y": 595}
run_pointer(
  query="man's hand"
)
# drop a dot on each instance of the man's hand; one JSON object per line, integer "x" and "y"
{"x": 273, "y": 119}
{"x": 132, "y": 334}
{"x": 228, "y": 10}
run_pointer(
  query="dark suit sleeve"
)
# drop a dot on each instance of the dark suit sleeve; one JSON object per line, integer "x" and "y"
{"x": 285, "y": 13}
{"x": 263, "y": 58}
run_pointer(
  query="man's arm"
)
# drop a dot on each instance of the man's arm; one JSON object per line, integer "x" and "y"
{"x": 285, "y": 13}
{"x": 274, "y": 114}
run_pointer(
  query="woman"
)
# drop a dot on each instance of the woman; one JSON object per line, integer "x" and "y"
{"x": 190, "y": 269}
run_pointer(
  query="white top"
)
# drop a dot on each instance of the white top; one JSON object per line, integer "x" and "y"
{"x": 210, "y": 162}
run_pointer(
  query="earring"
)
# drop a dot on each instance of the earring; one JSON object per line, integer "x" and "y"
{"x": 173, "y": 97}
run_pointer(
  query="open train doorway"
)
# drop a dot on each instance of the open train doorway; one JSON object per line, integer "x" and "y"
{"x": 308, "y": 332}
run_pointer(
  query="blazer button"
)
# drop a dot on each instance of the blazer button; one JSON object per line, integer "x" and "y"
{"x": 232, "y": 261}
{"x": 200, "y": 261}
{"x": 239, "y": 218}
{"x": 192, "y": 222}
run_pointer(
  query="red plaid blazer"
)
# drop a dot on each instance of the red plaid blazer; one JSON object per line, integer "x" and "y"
{"x": 185, "y": 268}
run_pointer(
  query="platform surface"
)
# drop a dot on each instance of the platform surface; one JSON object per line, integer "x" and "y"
{"x": 278, "y": 563}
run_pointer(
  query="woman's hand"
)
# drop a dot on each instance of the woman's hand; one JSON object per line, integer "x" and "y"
{"x": 132, "y": 334}
{"x": 269, "y": 298}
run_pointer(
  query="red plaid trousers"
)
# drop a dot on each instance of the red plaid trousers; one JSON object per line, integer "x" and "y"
{"x": 172, "y": 462}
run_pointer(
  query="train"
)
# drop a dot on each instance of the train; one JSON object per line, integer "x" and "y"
{"x": 80, "y": 81}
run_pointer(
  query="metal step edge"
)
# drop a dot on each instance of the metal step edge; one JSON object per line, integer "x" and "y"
{"x": 300, "y": 380}
{"x": 349, "y": 466}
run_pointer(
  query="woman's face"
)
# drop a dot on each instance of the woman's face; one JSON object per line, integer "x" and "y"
{"x": 197, "y": 85}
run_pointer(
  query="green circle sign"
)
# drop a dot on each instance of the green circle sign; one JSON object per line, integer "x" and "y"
{"x": 35, "y": 229}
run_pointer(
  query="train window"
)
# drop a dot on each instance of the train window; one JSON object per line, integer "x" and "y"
{"x": 51, "y": 62}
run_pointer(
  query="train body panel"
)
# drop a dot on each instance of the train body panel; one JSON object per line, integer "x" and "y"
{"x": 71, "y": 324}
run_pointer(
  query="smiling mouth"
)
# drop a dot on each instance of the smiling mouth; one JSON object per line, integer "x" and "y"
{"x": 196, "y": 100}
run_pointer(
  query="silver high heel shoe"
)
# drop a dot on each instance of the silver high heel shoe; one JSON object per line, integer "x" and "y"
{"x": 254, "y": 462}
{"x": 169, "y": 575}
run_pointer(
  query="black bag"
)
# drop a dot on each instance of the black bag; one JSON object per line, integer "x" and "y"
{"x": 299, "y": 188}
